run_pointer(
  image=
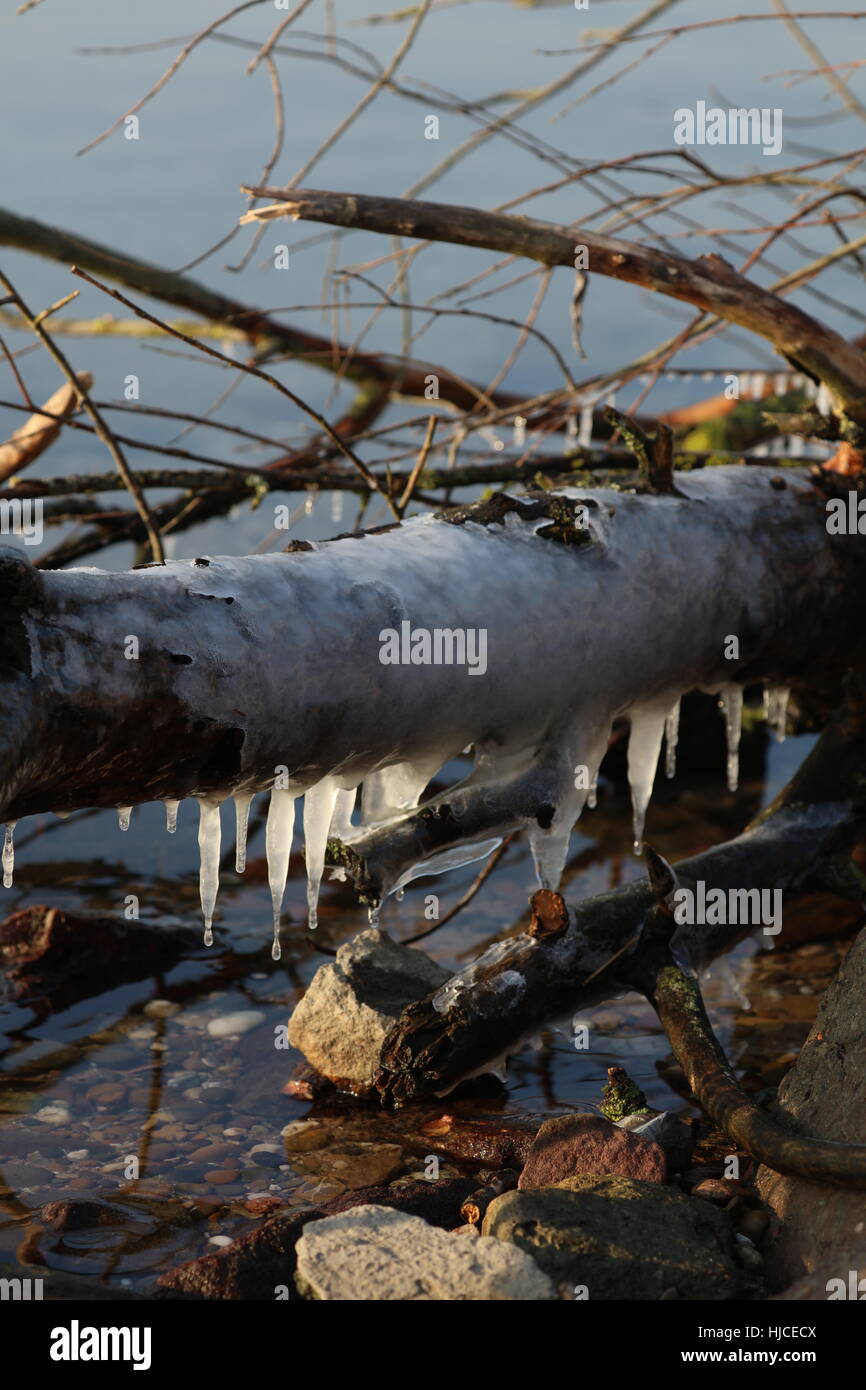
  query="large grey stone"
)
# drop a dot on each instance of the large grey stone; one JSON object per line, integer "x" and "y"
{"x": 351, "y": 1003}
{"x": 620, "y": 1239}
{"x": 819, "y": 1226}
{"x": 375, "y": 1253}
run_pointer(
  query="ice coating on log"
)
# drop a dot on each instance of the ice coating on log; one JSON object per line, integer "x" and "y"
{"x": 732, "y": 706}
{"x": 672, "y": 734}
{"x": 243, "y": 801}
{"x": 8, "y": 854}
{"x": 644, "y": 745}
{"x": 319, "y": 804}
{"x": 279, "y": 833}
{"x": 123, "y": 816}
{"x": 396, "y": 788}
{"x": 444, "y": 862}
{"x": 171, "y": 815}
{"x": 776, "y": 709}
{"x": 209, "y": 838}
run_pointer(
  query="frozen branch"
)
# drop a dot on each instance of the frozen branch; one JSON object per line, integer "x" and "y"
{"x": 315, "y": 672}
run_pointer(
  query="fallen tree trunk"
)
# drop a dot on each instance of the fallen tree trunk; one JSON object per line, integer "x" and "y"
{"x": 802, "y": 845}
{"x": 224, "y": 677}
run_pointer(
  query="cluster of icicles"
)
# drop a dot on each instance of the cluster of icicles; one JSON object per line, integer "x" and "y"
{"x": 328, "y": 810}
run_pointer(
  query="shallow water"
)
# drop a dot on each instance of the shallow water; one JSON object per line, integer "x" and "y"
{"x": 86, "y": 1089}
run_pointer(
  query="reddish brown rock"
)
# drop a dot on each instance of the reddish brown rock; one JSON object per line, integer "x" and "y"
{"x": 489, "y": 1142}
{"x": 576, "y": 1145}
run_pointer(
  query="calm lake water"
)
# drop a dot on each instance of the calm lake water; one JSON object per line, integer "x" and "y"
{"x": 166, "y": 197}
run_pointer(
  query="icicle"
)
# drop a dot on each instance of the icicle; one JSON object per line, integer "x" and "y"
{"x": 584, "y": 437}
{"x": 310, "y": 501}
{"x": 336, "y": 506}
{"x": 824, "y": 400}
{"x": 519, "y": 431}
{"x": 123, "y": 815}
{"x": 672, "y": 734}
{"x": 644, "y": 745}
{"x": 209, "y": 835}
{"x": 319, "y": 803}
{"x": 732, "y": 705}
{"x": 171, "y": 815}
{"x": 776, "y": 709}
{"x": 570, "y": 438}
{"x": 242, "y": 819}
{"x": 278, "y": 848}
{"x": 8, "y": 854}
{"x": 341, "y": 822}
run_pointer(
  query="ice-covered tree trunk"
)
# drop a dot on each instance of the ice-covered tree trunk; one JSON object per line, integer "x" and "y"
{"x": 518, "y": 627}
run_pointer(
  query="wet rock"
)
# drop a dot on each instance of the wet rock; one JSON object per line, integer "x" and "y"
{"x": 490, "y": 1142}
{"x": 570, "y": 1145}
{"x": 822, "y": 1096}
{"x": 351, "y": 1003}
{"x": 354, "y": 1165}
{"x": 620, "y": 1239}
{"x": 55, "y": 958}
{"x": 374, "y": 1253}
{"x": 253, "y": 1266}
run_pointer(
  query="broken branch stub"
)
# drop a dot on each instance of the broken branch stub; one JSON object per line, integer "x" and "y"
{"x": 521, "y": 627}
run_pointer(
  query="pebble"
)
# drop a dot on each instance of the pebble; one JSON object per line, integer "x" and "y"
{"x": 233, "y": 1025}
{"x": 223, "y": 1175}
{"x": 106, "y": 1093}
{"x": 212, "y": 1153}
{"x": 161, "y": 1008}
{"x": 53, "y": 1114}
{"x": 302, "y": 1135}
{"x": 718, "y": 1190}
{"x": 219, "y": 1240}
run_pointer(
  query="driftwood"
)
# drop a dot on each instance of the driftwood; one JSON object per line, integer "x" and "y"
{"x": 709, "y": 283}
